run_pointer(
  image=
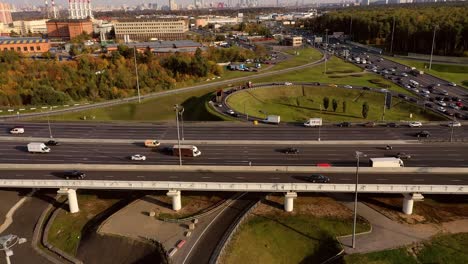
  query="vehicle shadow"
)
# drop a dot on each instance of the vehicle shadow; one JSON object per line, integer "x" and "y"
{"x": 22, "y": 148}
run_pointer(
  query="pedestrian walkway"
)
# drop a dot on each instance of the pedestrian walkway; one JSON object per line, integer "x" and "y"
{"x": 386, "y": 233}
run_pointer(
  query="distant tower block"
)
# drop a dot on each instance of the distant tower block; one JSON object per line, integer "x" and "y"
{"x": 80, "y": 9}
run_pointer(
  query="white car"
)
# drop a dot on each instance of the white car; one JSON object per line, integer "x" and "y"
{"x": 230, "y": 112}
{"x": 17, "y": 130}
{"x": 442, "y": 103}
{"x": 452, "y": 84}
{"x": 138, "y": 157}
{"x": 415, "y": 124}
{"x": 454, "y": 124}
{"x": 348, "y": 87}
{"x": 287, "y": 83}
{"x": 404, "y": 74}
{"x": 441, "y": 109}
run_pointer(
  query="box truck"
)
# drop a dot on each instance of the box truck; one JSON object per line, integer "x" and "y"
{"x": 272, "y": 119}
{"x": 186, "y": 151}
{"x": 386, "y": 162}
{"x": 150, "y": 143}
{"x": 38, "y": 148}
{"x": 313, "y": 122}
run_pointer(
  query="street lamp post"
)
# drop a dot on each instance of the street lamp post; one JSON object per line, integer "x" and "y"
{"x": 451, "y": 131}
{"x": 176, "y": 107}
{"x": 358, "y": 155}
{"x": 393, "y": 32}
{"x": 326, "y": 48}
{"x": 182, "y": 122}
{"x": 7, "y": 242}
{"x": 136, "y": 73}
{"x": 48, "y": 123}
{"x": 432, "y": 48}
{"x": 319, "y": 127}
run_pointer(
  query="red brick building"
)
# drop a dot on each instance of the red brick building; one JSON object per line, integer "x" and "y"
{"x": 68, "y": 28}
{"x": 25, "y": 45}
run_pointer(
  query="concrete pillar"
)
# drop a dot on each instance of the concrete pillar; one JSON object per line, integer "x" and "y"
{"x": 72, "y": 199}
{"x": 408, "y": 203}
{"x": 176, "y": 199}
{"x": 289, "y": 201}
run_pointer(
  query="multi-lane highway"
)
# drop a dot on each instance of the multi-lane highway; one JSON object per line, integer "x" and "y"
{"x": 422, "y": 155}
{"x": 261, "y": 177}
{"x": 229, "y": 131}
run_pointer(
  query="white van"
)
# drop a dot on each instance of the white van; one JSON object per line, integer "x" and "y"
{"x": 17, "y": 130}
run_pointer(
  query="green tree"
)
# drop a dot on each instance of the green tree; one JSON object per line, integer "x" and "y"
{"x": 326, "y": 102}
{"x": 365, "y": 110}
{"x": 344, "y": 106}
{"x": 334, "y": 104}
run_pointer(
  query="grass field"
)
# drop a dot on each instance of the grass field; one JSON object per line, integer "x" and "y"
{"x": 452, "y": 73}
{"x": 338, "y": 72}
{"x": 297, "y": 103}
{"x": 306, "y": 235}
{"x": 303, "y": 56}
{"x": 450, "y": 248}
{"x": 65, "y": 232}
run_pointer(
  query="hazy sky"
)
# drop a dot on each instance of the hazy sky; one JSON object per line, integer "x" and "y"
{"x": 159, "y": 2}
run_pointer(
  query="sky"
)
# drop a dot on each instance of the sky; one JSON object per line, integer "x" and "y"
{"x": 129, "y": 3}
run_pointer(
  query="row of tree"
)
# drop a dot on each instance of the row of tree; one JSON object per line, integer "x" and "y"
{"x": 413, "y": 26}
{"x": 326, "y": 105}
{"x": 25, "y": 81}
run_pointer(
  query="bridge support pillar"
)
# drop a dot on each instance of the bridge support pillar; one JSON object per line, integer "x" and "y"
{"x": 408, "y": 201}
{"x": 289, "y": 201}
{"x": 72, "y": 199}
{"x": 176, "y": 199}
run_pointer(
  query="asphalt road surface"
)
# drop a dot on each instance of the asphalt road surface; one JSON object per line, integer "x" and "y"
{"x": 228, "y": 131}
{"x": 343, "y": 178}
{"x": 422, "y": 155}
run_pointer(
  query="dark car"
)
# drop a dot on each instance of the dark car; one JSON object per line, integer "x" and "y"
{"x": 423, "y": 133}
{"x": 74, "y": 174}
{"x": 403, "y": 155}
{"x": 344, "y": 124}
{"x": 317, "y": 178}
{"x": 291, "y": 151}
{"x": 366, "y": 88}
{"x": 393, "y": 125}
{"x": 52, "y": 143}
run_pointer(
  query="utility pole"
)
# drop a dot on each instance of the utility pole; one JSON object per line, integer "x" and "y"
{"x": 176, "y": 107}
{"x": 136, "y": 73}
{"x": 432, "y": 48}
{"x": 393, "y": 32}
{"x": 326, "y": 48}
{"x": 351, "y": 28}
{"x": 48, "y": 123}
{"x": 358, "y": 155}
{"x": 384, "y": 106}
{"x": 182, "y": 122}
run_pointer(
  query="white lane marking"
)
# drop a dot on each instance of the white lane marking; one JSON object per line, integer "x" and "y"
{"x": 109, "y": 176}
{"x": 274, "y": 178}
{"x": 382, "y": 179}
{"x": 19, "y": 175}
{"x": 456, "y": 180}
{"x": 140, "y": 176}
{"x": 418, "y": 179}
{"x": 206, "y": 177}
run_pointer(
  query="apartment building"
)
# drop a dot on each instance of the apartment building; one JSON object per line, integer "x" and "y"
{"x": 5, "y": 13}
{"x": 151, "y": 29}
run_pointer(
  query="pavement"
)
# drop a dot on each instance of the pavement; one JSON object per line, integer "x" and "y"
{"x": 9, "y": 198}
{"x": 385, "y": 234}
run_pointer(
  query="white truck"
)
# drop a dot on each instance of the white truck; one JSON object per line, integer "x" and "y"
{"x": 313, "y": 122}
{"x": 272, "y": 119}
{"x": 386, "y": 162}
{"x": 186, "y": 151}
{"x": 36, "y": 147}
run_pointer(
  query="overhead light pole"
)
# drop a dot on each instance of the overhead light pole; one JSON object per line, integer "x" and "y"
{"x": 136, "y": 73}
{"x": 358, "y": 154}
{"x": 432, "y": 48}
{"x": 48, "y": 123}
{"x": 7, "y": 242}
{"x": 176, "y": 108}
{"x": 182, "y": 121}
{"x": 393, "y": 33}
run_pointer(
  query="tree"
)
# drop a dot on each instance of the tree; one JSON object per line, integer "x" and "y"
{"x": 334, "y": 104}
{"x": 365, "y": 110}
{"x": 326, "y": 103}
{"x": 344, "y": 106}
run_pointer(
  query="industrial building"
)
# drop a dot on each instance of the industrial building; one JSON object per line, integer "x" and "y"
{"x": 294, "y": 41}
{"x": 162, "y": 47}
{"x": 148, "y": 29}
{"x": 25, "y": 45}
{"x": 67, "y": 29}
{"x": 23, "y": 27}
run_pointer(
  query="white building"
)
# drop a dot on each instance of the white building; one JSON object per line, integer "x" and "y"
{"x": 80, "y": 9}
{"x": 34, "y": 26}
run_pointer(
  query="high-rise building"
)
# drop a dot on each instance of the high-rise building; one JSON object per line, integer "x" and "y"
{"x": 172, "y": 5}
{"x": 365, "y": 2}
{"x": 5, "y": 13}
{"x": 80, "y": 9}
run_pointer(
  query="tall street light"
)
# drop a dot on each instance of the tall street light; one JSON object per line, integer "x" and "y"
{"x": 326, "y": 48}
{"x": 182, "y": 121}
{"x": 48, "y": 123}
{"x": 7, "y": 242}
{"x": 432, "y": 48}
{"x": 136, "y": 73}
{"x": 176, "y": 108}
{"x": 358, "y": 154}
{"x": 393, "y": 33}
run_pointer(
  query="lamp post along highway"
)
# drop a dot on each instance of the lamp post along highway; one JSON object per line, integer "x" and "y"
{"x": 319, "y": 127}
{"x": 451, "y": 131}
{"x": 393, "y": 32}
{"x": 7, "y": 242}
{"x": 136, "y": 73}
{"x": 182, "y": 122}
{"x": 432, "y": 48}
{"x": 48, "y": 123}
{"x": 358, "y": 155}
{"x": 176, "y": 108}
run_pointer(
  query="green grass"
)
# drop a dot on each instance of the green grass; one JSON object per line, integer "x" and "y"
{"x": 288, "y": 239}
{"x": 296, "y": 104}
{"x": 65, "y": 232}
{"x": 450, "y": 248}
{"x": 453, "y": 73}
{"x": 304, "y": 56}
{"x": 338, "y": 72}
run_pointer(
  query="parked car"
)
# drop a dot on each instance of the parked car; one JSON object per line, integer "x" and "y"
{"x": 344, "y": 124}
{"x": 393, "y": 125}
{"x": 291, "y": 151}
{"x": 74, "y": 174}
{"x": 452, "y": 84}
{"x": 348, "y": 87}
{"x": 415, "y": 124}
{"x": 318, "y": 178}
{"x": 369, "y": 124}
{"x": 138, "y": 157}
{"x": 423, "y": 133}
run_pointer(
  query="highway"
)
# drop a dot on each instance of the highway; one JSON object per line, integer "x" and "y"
{"x": 422, "y": 155}
{"x": 252, "y": 177}
{"x": 228, "y": 131}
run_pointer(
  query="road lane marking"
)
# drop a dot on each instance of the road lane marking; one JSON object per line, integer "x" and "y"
{"x": 456, "y": 180}
{"x": 19, "y": 175}
{"x": 274, "y": 178}
{"x": 206, "y": 177}
{"x": 140, "y": 176}
{"x": 109, "y": 176}
{"x": 418, "y": 179}
{"x": 240, "y": 177}
{"x": 382, "y": 179}
{"x": 345, "y": 179}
